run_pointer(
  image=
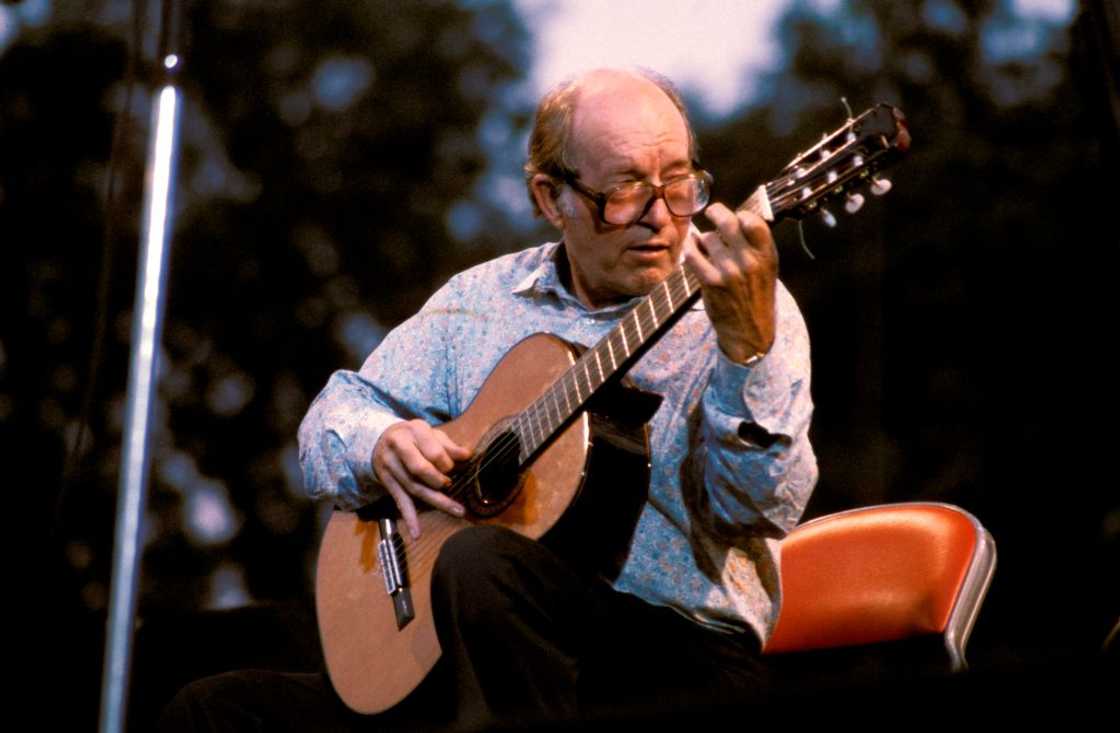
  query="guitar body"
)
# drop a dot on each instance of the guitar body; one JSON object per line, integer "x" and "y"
{"x": 582, "y": 494}
{"x": 570, "y": 468}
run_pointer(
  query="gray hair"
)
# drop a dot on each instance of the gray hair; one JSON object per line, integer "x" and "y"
{"x": 550, "y": 141}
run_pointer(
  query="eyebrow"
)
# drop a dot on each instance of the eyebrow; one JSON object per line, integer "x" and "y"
{"x": 638, "y": 174}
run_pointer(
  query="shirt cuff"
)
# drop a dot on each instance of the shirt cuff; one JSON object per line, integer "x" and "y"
{"x": 359, "y": 454}
{"x": 755, "y": 392}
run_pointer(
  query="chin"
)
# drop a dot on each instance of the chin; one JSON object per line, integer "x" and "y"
{"x": 649, "y": 278}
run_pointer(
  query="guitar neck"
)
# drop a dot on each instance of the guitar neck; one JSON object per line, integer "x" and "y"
{"x": 841, "y": 161}
{"x": 616, "y": 352}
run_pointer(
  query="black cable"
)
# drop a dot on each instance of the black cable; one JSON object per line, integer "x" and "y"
{"x": 108, "y": 246}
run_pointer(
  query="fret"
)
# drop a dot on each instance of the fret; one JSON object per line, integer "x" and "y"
{"x": 559, "y": 410}
{"x": 540, "y": 420}
{"x": 579, "y": 392}
{"x": 515, "y": 428}
{"x": 567, "y": 397}
{"x": 691, "y": 283}
{"x": 534, "y": 425}
{"x": 652, "y": 315}
{"x": 541, "y": 411}
{"x": 528, "y": 445}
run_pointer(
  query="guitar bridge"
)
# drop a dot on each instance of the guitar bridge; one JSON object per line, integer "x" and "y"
{"x": 394, "y": 571}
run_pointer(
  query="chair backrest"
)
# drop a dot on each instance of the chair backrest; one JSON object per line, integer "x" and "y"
{"x": 883, "y": 573}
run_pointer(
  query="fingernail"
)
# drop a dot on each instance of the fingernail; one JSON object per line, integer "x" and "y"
{"x": 458, "y": 511}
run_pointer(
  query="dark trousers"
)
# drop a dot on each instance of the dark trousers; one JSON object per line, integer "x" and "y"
{"x": 527, "y": 641}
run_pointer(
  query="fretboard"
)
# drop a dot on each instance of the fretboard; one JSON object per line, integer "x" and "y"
{"x": 616, "y": 352}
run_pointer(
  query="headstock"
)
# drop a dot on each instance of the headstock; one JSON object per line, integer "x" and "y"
{"x": 843, "y": 161}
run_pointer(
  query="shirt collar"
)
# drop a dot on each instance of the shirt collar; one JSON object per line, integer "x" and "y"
{"x": 544, "y": 279}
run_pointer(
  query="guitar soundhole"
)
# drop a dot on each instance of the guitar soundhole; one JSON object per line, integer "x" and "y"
{"x": 496, "y": 476}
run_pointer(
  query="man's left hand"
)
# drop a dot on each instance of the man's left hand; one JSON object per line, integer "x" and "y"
{"x": 737, "y": 265}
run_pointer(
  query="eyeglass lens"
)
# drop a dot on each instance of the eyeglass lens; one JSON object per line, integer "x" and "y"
{"x": 683, "y": 198}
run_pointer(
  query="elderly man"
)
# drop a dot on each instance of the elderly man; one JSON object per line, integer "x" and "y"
{"x": 524, "y": 635}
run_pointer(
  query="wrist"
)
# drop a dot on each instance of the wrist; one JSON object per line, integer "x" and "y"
{"x": 743, "y": 354}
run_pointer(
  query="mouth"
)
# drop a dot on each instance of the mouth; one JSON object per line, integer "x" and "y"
{"x": 648, "y": 248}
{"x": 648, "y": 254}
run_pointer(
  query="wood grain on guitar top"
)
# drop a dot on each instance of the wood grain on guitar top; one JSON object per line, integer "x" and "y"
{"x": 373, "y": 664}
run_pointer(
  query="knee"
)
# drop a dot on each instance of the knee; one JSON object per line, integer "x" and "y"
{"x": 477, "y": 555}
{"x": 194, "y": 705}
{"x": 482, "y": 572}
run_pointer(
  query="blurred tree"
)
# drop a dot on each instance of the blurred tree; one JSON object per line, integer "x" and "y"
{"x": 324, "y": 144}
{"x": 952, "y": 319}
{"x": 340, "y": 161}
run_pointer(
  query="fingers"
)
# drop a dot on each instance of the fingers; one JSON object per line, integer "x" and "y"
{"x": 696, "y": 255}
{"x": 412, "y": 459}
{"x": 427, "y": 458}
{"x": 737, "y": 267}
{"x": 407, "y": 478}
{"x": 739, "y": 231}
{"x": 404, "y": 504}
{"x": 454, "y": 450}
{"x": 741, "y": 244}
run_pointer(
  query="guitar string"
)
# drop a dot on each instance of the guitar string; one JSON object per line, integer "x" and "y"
{"x": 539, "y": 405}
{"x": 684, "y": 284}
{"x": 791, "y": 198}
{"x": 778, "y": 203}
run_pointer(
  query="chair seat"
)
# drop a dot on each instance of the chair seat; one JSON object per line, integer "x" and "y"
{"x": 882, "y": 573}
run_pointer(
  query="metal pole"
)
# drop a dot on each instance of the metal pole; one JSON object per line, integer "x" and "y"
{"x": 147, "y": 326}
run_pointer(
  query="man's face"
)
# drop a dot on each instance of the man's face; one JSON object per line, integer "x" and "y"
{"x": 623, "y": 131}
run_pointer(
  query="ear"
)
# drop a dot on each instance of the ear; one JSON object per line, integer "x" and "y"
{"x": 546, "y": 192}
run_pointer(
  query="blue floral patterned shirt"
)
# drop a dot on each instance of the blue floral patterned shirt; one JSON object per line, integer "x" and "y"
{"x": 705, "y": 543}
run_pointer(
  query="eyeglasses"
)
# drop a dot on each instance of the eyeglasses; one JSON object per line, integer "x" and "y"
{"x": 626, "y": 204}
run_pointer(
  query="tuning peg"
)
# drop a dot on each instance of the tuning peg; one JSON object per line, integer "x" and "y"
{"x": 827, "y": 217}
{"x": 853, "y": 203}
{"x": 880, "y": 186}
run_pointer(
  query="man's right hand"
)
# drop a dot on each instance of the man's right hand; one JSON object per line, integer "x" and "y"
{"x": 412, "y": 459}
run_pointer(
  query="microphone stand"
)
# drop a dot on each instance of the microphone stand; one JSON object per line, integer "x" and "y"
{"x": 147, "y": 327}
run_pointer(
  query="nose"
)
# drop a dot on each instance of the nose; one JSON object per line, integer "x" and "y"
{"x": 657, "y": 212}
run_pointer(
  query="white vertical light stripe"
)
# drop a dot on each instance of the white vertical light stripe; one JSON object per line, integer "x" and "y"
{"x": 143, "y": 369}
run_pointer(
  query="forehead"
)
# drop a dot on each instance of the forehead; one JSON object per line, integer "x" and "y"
{"x": 623, "y": 123}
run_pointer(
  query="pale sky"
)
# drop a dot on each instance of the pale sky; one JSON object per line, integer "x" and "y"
{"x": 703, "y": 45}
{"x": 711, "y": 47}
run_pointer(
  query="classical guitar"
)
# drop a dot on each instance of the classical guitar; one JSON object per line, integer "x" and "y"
{"x": 549, "y": 420}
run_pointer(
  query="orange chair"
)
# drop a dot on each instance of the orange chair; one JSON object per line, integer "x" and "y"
{"x": 883, "y": 573}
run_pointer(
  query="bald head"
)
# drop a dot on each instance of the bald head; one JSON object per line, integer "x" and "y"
{"x": 567, "y": 115}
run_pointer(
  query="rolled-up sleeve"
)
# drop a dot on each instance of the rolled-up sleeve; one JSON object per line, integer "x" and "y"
{"x": 759, "y": 467}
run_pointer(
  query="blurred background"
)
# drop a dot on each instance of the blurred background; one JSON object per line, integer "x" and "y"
{"x": 340, "y": 160}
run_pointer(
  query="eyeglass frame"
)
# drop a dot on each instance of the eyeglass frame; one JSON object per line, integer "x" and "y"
{"x": 600, "y": 198}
